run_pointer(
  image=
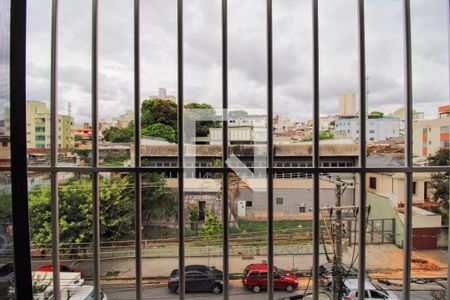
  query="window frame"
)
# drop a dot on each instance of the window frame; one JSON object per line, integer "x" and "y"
{"x": 19, "y": 163}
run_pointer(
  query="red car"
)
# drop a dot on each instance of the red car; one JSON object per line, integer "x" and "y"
{"x": 62, "y": 268}
{"x": 255, "y": 278}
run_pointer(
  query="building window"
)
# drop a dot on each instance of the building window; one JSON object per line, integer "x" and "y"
{"x": 249, "y": 203}
{"x": 414, "y": 186}
{"x": 280, "y": 201}
{"x": 445, "y": 129}
{"x": 373, "y": 182}
{"x": 302, "y": 209}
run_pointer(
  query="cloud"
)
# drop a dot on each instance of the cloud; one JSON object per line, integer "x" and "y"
{"x": 247, "y": 54}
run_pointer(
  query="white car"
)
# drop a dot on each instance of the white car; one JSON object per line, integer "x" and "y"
{"x": 86, "y": 292}
{"x": 372, "y": 291}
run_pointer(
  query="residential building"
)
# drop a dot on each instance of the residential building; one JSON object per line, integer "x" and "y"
{"x": 347, "y": 104}
{"x": 123, "y": 120}
{"x": 379, "y": 128}
{"x": 394, "y": 183}
{"x": 239, "y": 135}
{"x": 83, "y": 133}
{"x": 39, "y": 126}
{"x": 400, "y": 113}
{"x": 431, "y": 135}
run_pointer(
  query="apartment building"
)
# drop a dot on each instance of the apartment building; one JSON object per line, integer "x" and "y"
{"x": 379, "y": 128}
{"x": 431, "y": 135}
{"x": 39, "y": 127}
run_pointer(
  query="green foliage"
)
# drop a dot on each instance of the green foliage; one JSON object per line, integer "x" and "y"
{"x": 212, "y": 227}
{"x": 159, "y": 118}
{"x": 162, "y": 111}
{"x": 78, "y": 138}
{"x": 160, "y": 130}
{"x": 206, "y": 111}
{"x": 379, "y": 114}
{"x": 119, "y": 135}
{"x": 5, "y": 209}
{"x": 237, "y": 113}
{"x": 158, "y": 201}
{"x": 323, "y": 135}
{"x": 75, "y": 209}
{"x": 193, "y": 214}
{"x": 116, "y": 206}
{"x": 440, "y": 181}
{"x": 83, "y": 153}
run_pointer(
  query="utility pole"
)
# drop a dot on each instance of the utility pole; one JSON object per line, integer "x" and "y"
{"x": 337, "y": 231}
{"x": 337, "y": 270}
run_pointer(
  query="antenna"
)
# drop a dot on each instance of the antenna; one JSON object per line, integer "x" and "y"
{"x": 69, "y": 108}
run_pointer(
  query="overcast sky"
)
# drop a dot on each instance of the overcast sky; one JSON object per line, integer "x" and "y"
{"x": 247, "y": 54}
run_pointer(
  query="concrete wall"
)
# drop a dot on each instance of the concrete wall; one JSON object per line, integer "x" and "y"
{"x": 293, "y": 199}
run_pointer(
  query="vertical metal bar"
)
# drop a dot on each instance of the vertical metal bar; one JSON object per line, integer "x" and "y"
{"x": 225, "y": 147}
{"x": 407, "y": 245}
{"x": 448, "y": 62}
{"x": 54, "y": 150}
{"x": 180, "y": 149}
{"x": 137, "y": 149}
{"x": 22, "y": 259}
{"x": 95, "y": 175}
{"x": 270, "y": 266}
{"x": 316, "y": 153}
{"x": 362, "y": 149}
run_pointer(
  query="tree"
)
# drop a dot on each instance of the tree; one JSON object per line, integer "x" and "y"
{"x": 212, "y": 227}
{"x": 75, "y": 209}
{"x": 237, "y": 113}
{"x": 440, "y": 181}
{"x": 207, "y": 112}
{"x": 323, "y": 135}
{"x": 162, "y": 111}
{"x": 158, "y": 200}
{"x": 379, "y": 114}
{"x": 161, "y": 131}
{"x": 119, "y": 135}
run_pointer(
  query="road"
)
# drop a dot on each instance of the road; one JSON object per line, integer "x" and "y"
{"x": 127, "y": 292}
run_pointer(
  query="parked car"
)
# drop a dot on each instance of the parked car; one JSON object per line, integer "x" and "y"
{"x": 6, "y": 272}
{"x": 198, "y": 278}
{"x": 372, "y": 291}
{"x": 86, "y": 292}
{"x": 62, "y": 268}
{"x": 255, "y": 278}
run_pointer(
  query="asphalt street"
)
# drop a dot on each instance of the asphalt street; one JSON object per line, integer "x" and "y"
{"x": 127, "y": 292}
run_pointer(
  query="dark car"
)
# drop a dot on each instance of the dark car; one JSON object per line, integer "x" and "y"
{"x": 198, "y": 278}
{"x": 255, "y": 278}
{"x": 6, "y": 272}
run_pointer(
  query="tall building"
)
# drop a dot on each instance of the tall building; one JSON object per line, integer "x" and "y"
{"x": 347, "y": 104}
{"x": 39, "y": 126}
{"x": 431, "y": 135}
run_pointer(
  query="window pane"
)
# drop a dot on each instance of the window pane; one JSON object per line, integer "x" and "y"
{"x": 6, "y": 236}
{"x": 117, "y": 235}
{"x": 159, "y": 82}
